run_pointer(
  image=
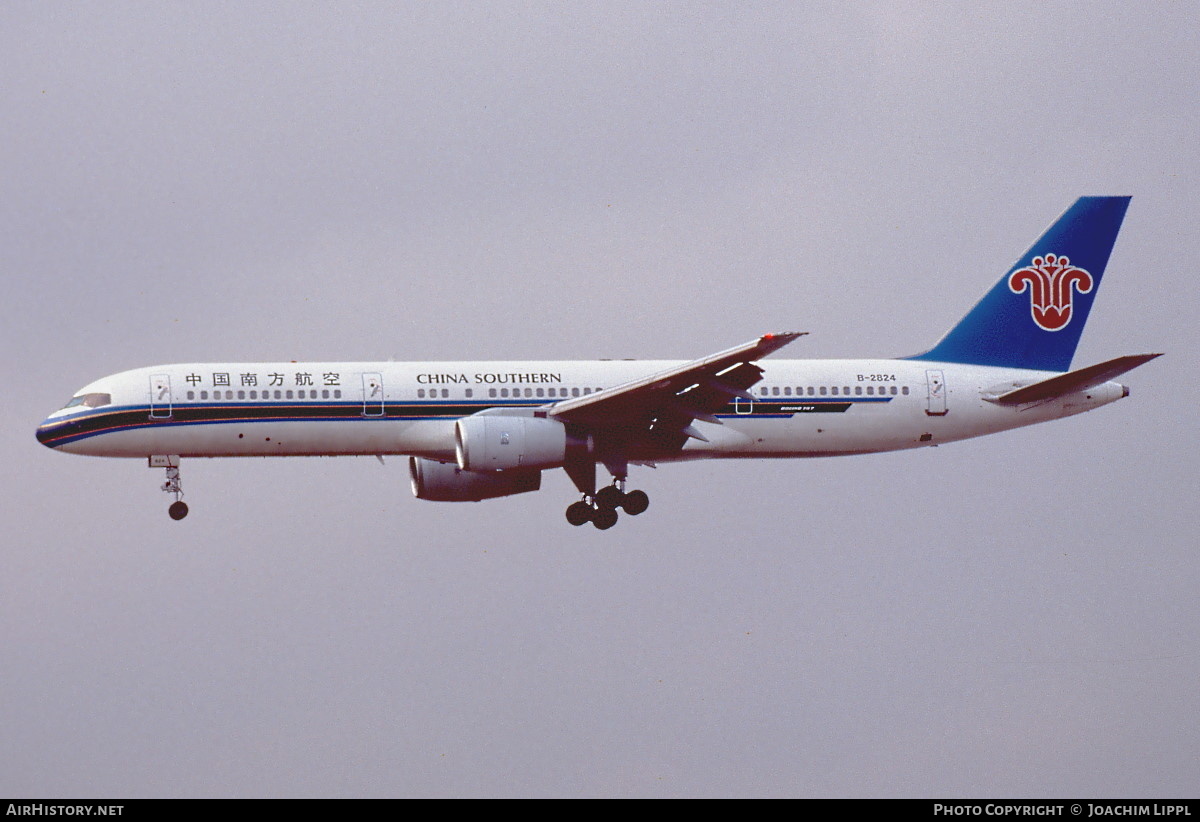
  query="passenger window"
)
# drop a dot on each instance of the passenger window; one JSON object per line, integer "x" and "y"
{"x": 574, "y": 392}
{"x": 420, "y": 393}
{"x": 288, "y": 394}
{"x": 241, "y": 395}
{"x": 904, "y": 390}
{"x": 203, "y": 395}
{"x": 871, "y": 389}
{"x": 529, "y": 392}
{"x": 470, "y": 393}
{"x": 191, "y": 395}
{"x": 445, "y": 392}
{"x": 858, "y": 390}
{"x": 822, "y": 390}
{"x": 541, "y": 392}
{"x": 811, "y": 391}
{"x": 504, "y": 392}
{"x": 787, "y": 390}
{"x": 833, "y": 390}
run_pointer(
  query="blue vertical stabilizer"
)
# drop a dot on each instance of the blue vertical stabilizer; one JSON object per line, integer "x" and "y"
{"x": 1034, "y": 316}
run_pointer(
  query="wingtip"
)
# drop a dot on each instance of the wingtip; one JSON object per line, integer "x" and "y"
{"x": 1145, "y": 358}
{"x": 775, "y": 340}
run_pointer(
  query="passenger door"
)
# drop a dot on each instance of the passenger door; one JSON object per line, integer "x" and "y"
{"x": 935, "y": 382}
{"x": 160, "y": 397}
{"x": 372, "y": 394}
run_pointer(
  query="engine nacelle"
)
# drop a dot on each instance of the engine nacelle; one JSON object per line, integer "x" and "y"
{"x": 446, "y": 482}
{"x": 488, "y": 442}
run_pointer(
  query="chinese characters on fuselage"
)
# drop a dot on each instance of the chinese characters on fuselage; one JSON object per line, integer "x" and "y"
{"x": 250, "y": 380}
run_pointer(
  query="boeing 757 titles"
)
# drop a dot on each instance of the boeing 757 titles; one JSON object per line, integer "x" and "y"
{"x": 479, "y": 430}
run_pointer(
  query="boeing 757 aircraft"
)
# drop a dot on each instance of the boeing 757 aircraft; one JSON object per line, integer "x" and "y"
{"x": 479, "y": 430}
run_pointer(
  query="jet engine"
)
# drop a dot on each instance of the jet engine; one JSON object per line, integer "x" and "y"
{"x": 446, "y": 482}
{"x": 487, "y": 442}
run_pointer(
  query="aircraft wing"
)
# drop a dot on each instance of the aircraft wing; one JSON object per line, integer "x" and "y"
{"x": 662, "y": 406}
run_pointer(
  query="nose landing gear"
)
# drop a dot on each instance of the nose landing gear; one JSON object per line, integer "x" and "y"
{"x": 174, "y": 485}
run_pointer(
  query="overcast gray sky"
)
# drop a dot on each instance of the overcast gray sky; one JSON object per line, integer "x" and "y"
{"x": 1012, "y": 616}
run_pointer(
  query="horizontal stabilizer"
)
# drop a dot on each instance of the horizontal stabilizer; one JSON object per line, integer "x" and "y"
{"x": 1072, "y": 381}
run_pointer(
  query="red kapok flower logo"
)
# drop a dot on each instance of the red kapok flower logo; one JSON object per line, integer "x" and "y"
{"x": 1051, "y": 281}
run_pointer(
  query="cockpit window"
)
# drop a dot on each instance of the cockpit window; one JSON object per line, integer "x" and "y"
{"x": 90, "y": 400}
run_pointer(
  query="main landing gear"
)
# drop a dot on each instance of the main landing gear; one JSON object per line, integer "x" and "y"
{"x": 601, "y": 508}
{"x": 178, "y": 509}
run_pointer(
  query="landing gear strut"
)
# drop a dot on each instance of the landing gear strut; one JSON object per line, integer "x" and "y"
{"x": 600, "y": 508}
{"x": 178, "y": 509}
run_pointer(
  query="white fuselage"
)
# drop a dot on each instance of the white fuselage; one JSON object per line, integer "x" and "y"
{"x": 482, "y": 430}
{"x": 801, "y": 408}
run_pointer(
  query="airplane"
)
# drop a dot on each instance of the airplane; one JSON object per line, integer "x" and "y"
{"x": 481, "y": 430}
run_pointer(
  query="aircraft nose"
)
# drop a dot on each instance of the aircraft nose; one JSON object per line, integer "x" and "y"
{"x": 44, "y": 434}
{"x": 49, "y": 432}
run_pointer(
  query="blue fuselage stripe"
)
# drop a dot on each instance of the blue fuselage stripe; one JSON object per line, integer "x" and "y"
{"x": 128, "y": 418}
